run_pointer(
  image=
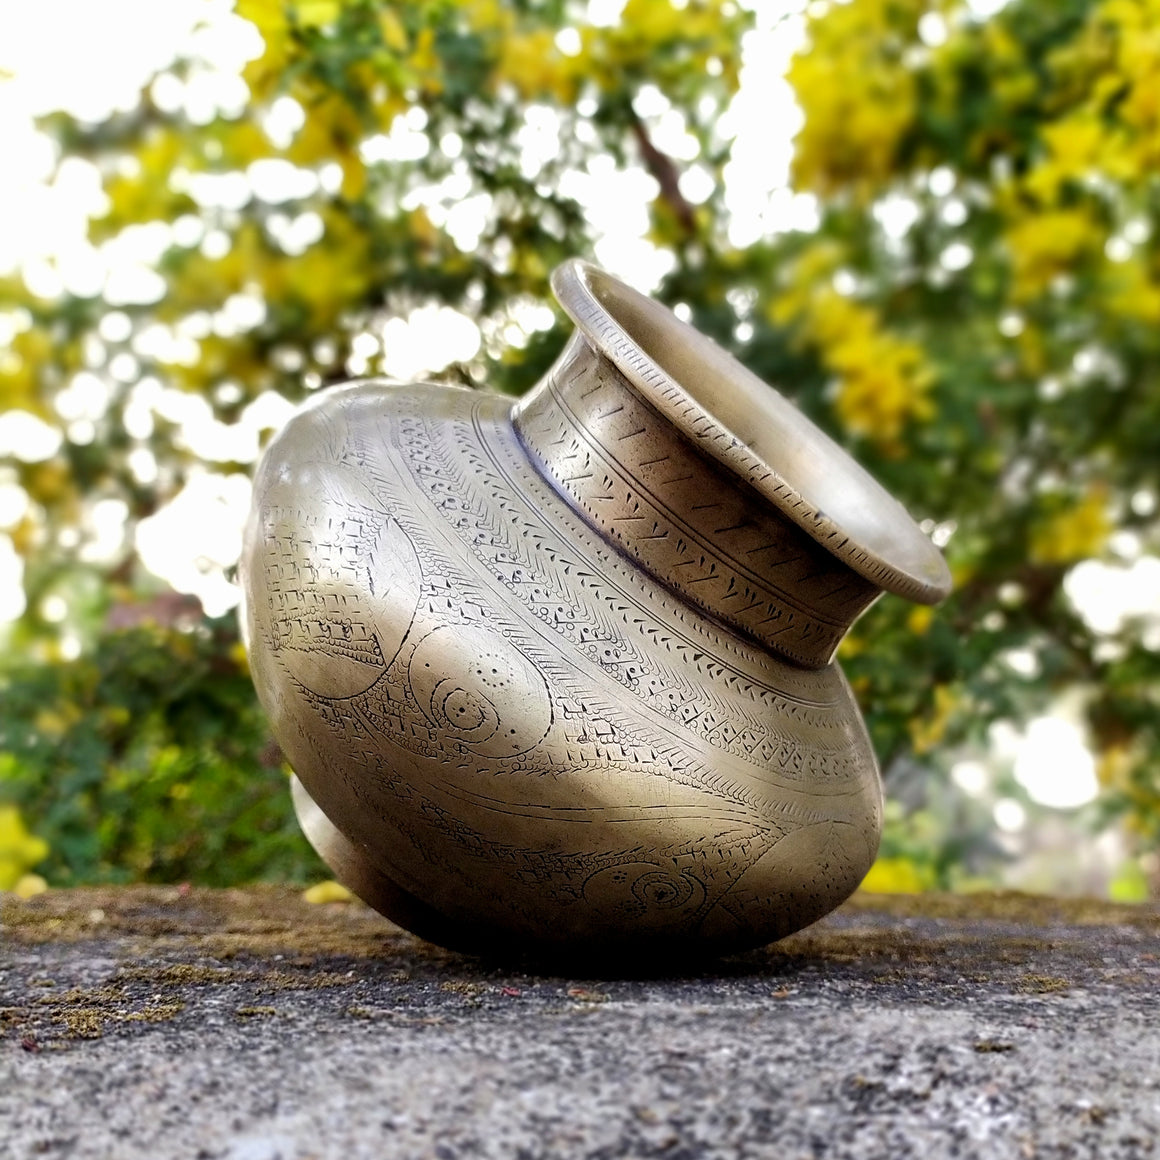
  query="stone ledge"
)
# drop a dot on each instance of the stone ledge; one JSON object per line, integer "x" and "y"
{"x": 248, "y": 1025}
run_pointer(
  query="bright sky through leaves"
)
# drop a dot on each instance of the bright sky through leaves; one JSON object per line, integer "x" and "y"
{"x": 98, "y": 68}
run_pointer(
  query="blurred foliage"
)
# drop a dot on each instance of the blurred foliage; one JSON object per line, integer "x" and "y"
{"x": 984, "y": 288}
{"x": 975, "y": 317}
{"x": 19, "y": 850}
{"x": 147, "y": 759}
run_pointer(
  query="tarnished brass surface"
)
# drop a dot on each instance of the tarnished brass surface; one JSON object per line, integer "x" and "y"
{"x": 561, "y": 674}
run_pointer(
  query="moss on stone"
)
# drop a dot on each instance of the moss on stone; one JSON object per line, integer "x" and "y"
{"x": 1042, "y": 984}
{"x": 268, "y": 920}
{"x": 1009, "y": 906}
{"x": 182, "y": 948}
{"x": 183, "y": 975}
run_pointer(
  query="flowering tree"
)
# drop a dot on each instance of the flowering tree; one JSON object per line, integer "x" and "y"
{"x": 974, "y": 316}
{"x": 380, "y": 162}
{"x": 982, "y": 295}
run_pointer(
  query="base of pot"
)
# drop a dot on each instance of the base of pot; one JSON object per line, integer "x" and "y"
{"x": 356, "y": 870}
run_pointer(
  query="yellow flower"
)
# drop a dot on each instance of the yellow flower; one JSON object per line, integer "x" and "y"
{"x": 144, "y": 194}
{"x": 852, "y": 645}
{"x": 243, "y": 142}
{"x": 1130, "y": 884}
{"x": 20, "y": 368}
{"x": 897, "y": 876}
{"x": 53, "y": 723}
{"x": 332, "y": 131}
{"x": 920, "y": 619}
{"x": 834, "y": 321}
{"x": 264, "y": 74}
{"x": 333, "y": 274}
{"x": 19, "y": 850}
{"x": 812, "y": 270}
{"x": 488, "y": 15}
{"x": 205, "y": 283}
{"x": 1111, "y": 73}
{"x": 1074, "y": 143}
{"x": 661, "y": 39}
{"x": 1132, "y": 293}
{"x": 316, "y": 13}
{"x": 926, "y": 734}
{"x": 422, "y": 229}
{"x": 1001, "y": 46}
{"x": 1032, "y": 350}
{"x": 882, "y": 387}
{"x": 265, "y": 15}
{"x": 1077, "y": 533}
{"x": 533, "y": 65}
{"x": 1044, "y": 245}
{"x": 425, "y": 63}
{"x": 851, "y": 131}
{"x": 883, "y": 380}
{"x": 29, "y": 886}
{"x": 327, "y": 892}
{"x": 1115, "y": 766}
{"x": 859, "y": 102}
{"x": 655, "y": 20}
{"x": 392, "y": 31}
{"x": 1075, "y": 146}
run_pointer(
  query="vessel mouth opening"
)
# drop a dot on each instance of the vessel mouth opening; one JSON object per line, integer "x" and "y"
{"x": 754, "y": 430}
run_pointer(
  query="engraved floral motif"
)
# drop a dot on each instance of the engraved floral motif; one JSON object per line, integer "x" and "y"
{"x": 635, "y": 888}
{"x": 341, "y": 583}
{"x": 480, "y": 691}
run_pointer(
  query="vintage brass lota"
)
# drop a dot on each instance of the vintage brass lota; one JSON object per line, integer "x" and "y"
{"x": 560, "y": 674}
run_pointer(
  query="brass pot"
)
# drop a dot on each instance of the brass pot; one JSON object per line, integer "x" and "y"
{"x": 560, "y": 674}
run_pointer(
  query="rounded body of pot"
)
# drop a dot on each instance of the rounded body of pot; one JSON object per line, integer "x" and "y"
{"x": 560, "y": 674}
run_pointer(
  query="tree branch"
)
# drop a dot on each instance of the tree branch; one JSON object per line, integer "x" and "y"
{"x": 664, "y": 170}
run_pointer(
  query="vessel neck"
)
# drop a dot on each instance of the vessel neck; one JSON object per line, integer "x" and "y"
{"x": 639, "y": 478}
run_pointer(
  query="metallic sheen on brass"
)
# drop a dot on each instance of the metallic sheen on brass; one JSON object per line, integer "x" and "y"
{"x": 560, "y": 674}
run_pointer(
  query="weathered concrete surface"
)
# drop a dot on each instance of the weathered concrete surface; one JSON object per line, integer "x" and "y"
{"x": 159, "y": 1023}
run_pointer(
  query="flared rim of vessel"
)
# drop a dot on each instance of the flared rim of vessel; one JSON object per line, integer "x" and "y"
{"x": 733, "y": 416}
